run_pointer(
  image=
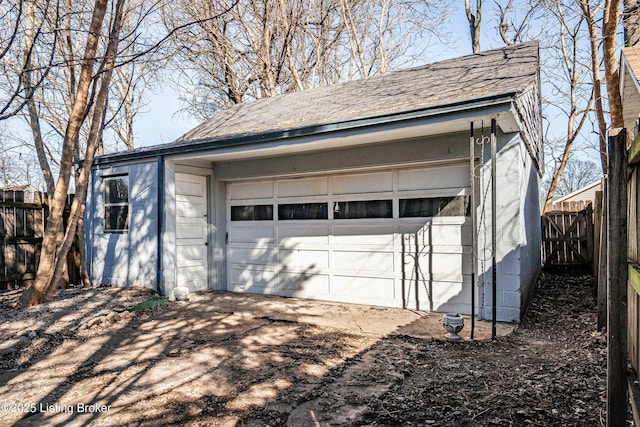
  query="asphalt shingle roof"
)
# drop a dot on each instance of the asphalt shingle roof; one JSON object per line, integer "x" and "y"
{"x": 511, "y": 69}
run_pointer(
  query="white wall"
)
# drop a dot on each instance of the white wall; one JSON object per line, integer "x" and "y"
{"x": 129, "y": 258}
{"x": 518, "y": 230}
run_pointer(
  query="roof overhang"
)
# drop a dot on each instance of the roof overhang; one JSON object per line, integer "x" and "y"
{"x": 630, "y": 94}
{"x": 444, "y": 119}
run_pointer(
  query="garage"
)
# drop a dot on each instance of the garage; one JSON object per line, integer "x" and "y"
{"x": 354, "y": 237}
{"x": 358, "y": 192}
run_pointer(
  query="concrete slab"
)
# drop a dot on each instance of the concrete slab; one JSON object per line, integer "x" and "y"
{"x": 361, "y": 319}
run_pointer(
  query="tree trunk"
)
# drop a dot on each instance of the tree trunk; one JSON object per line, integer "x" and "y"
{"x": 631, "y": 22}
{"x": 27, "y": 82}
{"x": 474, "y": 23}
{"x": 42, "y": 289}
{"x": 94, "y": 142}
{"x": 557, "y": 176}
{"x": 609, "y": 30}
{"x": 597, "y": 82}
{"x": 85, "y": 280}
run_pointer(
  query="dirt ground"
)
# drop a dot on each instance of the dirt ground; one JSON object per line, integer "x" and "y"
{"x": 224, "y": 359}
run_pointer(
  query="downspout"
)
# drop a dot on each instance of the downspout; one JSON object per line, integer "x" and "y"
{"x": 159, "y": 253}
{"x": 494, "y": 216}
{"x": 472, "y": 182}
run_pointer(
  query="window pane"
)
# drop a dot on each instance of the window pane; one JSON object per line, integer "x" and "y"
{"x": 362, "y": 209}
{"x": 116, "y": 190}
{"x": 252, "y": 213}
{"x": 434, "y": 206}
{"x": 116, "y": 218}
{"x": 303, "y": 211}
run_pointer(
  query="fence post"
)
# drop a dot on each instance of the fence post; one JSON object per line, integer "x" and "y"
{"x": 597, "y": 224}
{"x": 602, "y": 268}
{"x": 617, "y": 279}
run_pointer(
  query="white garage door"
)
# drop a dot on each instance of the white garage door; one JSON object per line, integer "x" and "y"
{"x": 354, "y": 237}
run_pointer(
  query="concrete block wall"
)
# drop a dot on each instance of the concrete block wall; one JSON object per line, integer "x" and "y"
{"x": 518, "y": 230}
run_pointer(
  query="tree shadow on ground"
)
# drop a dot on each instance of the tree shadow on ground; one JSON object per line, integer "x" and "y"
{"x": 210, "y": 362}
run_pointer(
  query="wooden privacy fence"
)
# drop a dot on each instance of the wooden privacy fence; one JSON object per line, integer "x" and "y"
{"x": 22, "y": 224}
{"x": 567, "y": 235}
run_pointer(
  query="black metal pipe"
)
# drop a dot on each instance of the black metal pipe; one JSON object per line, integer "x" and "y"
{"x": 160, "y": 207}
{"x": 494, "y": 226}
{"x": 473, "y": 228}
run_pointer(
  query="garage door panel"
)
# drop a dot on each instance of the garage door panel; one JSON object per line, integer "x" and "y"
{"x": 303, "y": 260}
{"x": 251, "y": 279}
{"x": 251, "y": 234}
{"x": 369, "y": 287}
{"x": 255, "y": 255}
{"x": 379, "y": 235}
{"x": 363, "y": 262}
{"x": 442, "y": 296}
{"x": 363, "y": 183}
{"x": 314, "y": 233}
{"x": 450, "y": 235}
{"x": 439, "y": 266}
{"x": 303, "y": 285}
{"x": 303, "y": 187}
{"x": 299, "y": 237}
{"x": 451, "y": 264}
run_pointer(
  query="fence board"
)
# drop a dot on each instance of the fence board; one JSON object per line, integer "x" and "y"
{"x": 22, "y": 224}
{"x": 566, "y": 235}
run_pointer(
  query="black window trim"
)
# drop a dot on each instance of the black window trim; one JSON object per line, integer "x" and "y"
{"x": 231, "y": 216}
{"x": 105, "y": 179}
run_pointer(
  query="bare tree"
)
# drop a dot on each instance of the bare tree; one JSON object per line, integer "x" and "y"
{"x": 76, "y": 109}
{"x": 590, "y": 12}
{"x": 474, "y": 18}
{"x": 132, "y": 79}
{"x": 578, "y": 174}
{"x": 91, "y": 94}
{"x": 20, "y": 53}
{"x": 256, "y": 49}
{"x": 513, "y": 29}
{"x": 570, "y": 81}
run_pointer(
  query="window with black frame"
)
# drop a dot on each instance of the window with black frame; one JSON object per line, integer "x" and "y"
{"x": 302, "y": 211}
{"x": 116, "y": 204}
{"x": 252, "y": 213}
{"x": 435, "y": 207}
{"x": 363, "y": 209}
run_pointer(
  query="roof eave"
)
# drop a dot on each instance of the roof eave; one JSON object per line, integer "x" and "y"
{"x": 193, "y": 146}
